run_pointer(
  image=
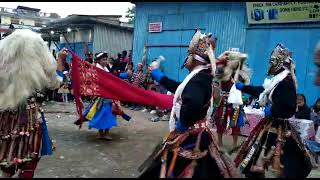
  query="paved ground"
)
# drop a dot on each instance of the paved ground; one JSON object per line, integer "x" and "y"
{"x": 79, "y": 154}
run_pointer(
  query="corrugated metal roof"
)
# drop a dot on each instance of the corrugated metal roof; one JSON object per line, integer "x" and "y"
{"x": 87, "y": 19}
{"x": 111, "y": 40}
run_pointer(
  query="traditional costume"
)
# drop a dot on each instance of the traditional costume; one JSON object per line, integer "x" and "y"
{"x": 26, "y": 66}
{"x": 231, "y": 67}
{"x": 190, "y": 150}
{"x": 99, "y": 111}
{"x": 274, "y": 141}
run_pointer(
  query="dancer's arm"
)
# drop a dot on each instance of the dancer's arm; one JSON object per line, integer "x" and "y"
{"x": 169, "y": 84}
{"x": 254, "y": 91}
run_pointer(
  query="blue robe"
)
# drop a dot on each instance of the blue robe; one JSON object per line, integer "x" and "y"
{"x": 103, "y": 117}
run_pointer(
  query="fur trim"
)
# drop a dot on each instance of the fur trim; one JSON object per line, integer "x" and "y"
{"x": 292, "y": 69}
{"x": 195, "y": 40}
{"x": 26, "y": 65}
{"x": 246, "y": 74}
{"x": 210, "y": 53}
{"x": 235, "y": 58}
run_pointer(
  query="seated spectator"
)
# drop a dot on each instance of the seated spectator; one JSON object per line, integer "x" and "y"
{"x": 137, "y": 80}
{"x": 148, "y": 85}
{"x": 315, "y": 114}
{"x": 302, "y": 111}
{"x": 129, "y": 70}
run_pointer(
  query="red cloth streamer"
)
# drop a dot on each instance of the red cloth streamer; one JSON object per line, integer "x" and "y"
{"x": 88, "y": 80}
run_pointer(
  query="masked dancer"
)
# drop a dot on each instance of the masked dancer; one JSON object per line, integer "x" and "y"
{"x": 190, "y": 150}
{"x": 274, "y": 142}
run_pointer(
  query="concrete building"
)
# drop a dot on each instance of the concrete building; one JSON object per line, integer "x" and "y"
{"x": 24, "y": 17}
{"x": 255, "y": 28}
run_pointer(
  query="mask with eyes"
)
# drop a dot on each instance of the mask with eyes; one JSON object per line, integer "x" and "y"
{"x": 279, "y": 56}
{"x": 232, "y": 64}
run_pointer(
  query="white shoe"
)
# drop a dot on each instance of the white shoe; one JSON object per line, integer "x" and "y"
{"x": 153, "y": 112}
{"x": 165, "y": 118}
{"x": 155, "y": 119}
{"x": 144, "y": 110}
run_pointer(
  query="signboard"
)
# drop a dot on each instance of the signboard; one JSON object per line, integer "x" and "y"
{"x": 282, "y": 12}
{"x": 155, "y": 27}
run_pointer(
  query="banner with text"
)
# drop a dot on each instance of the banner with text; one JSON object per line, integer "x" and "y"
{"x": 282, "y": 12}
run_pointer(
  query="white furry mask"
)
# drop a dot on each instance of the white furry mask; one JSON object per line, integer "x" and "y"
{"x": 233, "y": 60}
{"x": 26, "y": 64}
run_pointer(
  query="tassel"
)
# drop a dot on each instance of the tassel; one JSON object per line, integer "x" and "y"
{"x": 173, "y": 163}
{"x": 87, "y": 109}
{"x": 292, "y": 69}
{"x": 93, "y": 110}
{"x": 164, "y": 164}
{"x": 46, "y": 141}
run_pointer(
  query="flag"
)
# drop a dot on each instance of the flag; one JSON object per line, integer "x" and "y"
{"x": 88, "y": 80}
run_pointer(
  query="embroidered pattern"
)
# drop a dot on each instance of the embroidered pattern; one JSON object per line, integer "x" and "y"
{"x": 88, "y": 75}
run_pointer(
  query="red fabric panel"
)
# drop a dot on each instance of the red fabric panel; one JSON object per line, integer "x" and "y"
{"x": 88, "y": 80}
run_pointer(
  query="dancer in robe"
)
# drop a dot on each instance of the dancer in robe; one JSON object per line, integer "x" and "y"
{"x": 99, "y": 111}
{"x": 274, "y": 142}
{"x": 231, "y": 67}
{"x": 190, "y": 150}
{"x": 26, "y": 67}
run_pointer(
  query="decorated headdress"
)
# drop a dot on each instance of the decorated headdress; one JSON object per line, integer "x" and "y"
{"x": 281, "y": 57}
{"x": 278, "y": 57}
{"x": 201, "y": 48}
{"x": 26, "y": 65}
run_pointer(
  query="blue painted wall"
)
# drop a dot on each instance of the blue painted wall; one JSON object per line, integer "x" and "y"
{"x": 179, "y": 21}
{"x": 78, "y": 48}
{"x": 228, "y": 22}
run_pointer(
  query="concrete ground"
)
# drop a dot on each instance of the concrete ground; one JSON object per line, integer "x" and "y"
{"x": 79, "y": 154}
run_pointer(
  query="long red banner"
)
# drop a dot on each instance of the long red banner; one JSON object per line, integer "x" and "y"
{"x": 88, "y": 80}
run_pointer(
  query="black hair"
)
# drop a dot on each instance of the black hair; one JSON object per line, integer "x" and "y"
{"x": 124, "y": 53}
{"x": 315, "y": 107}
{"x": 304, "y": 97}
